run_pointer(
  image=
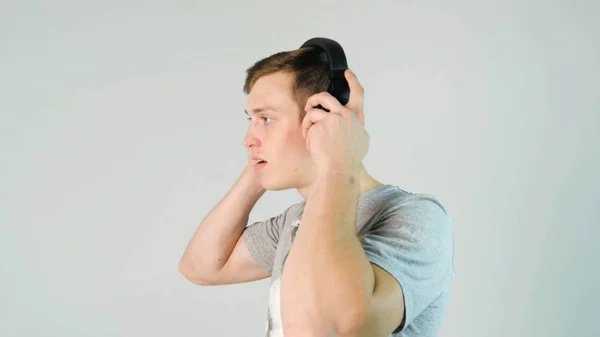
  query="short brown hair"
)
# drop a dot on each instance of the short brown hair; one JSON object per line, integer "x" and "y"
{"x": 307, "y": 65}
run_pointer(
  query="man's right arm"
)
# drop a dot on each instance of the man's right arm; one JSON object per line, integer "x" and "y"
{"x": 217, "y": 252}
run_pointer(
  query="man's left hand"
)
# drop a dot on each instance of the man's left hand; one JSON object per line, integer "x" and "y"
{"x": 337, "y": 140}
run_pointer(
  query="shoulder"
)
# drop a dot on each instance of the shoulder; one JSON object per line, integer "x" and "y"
{"x": 416, "y": 214}
{"x": 421, "y": 202}
{"x": 401, "y": 201}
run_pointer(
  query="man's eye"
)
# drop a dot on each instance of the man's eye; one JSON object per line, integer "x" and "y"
{"x": 266, "y": 119}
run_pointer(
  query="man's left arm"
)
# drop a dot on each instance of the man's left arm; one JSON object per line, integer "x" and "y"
{"x": 329, "y": 287}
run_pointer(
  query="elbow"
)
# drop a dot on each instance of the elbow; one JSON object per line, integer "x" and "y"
{"x": 343, "y": 324}
{"x": 353, "y": 324}
{"x": 187, "y": 270}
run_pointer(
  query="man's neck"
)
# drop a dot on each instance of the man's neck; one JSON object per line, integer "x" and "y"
{"x": 366, "y": 182}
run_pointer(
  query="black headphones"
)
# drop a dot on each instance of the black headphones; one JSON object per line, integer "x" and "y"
{"x": 338, "y": 85}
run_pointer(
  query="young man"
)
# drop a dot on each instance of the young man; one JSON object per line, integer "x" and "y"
{"x": 356, "y": 257}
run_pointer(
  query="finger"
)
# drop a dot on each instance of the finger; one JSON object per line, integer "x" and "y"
{"x": 357, "y": 95}
{"x": 312, "y": 116}
{"x": 324, "y": 99}
{"x": 356, "y": 89}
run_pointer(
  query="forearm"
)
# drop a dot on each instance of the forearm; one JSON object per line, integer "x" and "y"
{"x": 327, "y": 276}
{"x": 216, "y": 236}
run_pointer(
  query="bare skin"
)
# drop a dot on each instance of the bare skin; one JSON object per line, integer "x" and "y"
{"x": 217, "y": 253}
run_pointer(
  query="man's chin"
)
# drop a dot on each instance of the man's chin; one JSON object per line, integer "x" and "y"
{"x": 276, "y": 186}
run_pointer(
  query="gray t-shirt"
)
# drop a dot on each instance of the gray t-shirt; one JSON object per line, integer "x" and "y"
{"x": 407, "y": 234}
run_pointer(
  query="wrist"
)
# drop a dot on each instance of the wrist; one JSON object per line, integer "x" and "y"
{"x": 249, "y": 180}
{"x": 336, "y": 171}
{"x": 339, "y": 176}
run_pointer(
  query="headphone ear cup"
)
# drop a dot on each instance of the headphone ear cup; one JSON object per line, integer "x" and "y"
{"x": 339, "y": 89}
{"x": 333, "y": 54}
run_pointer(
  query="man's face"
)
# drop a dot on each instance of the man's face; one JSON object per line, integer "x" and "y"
{"x": 275, "y": 134}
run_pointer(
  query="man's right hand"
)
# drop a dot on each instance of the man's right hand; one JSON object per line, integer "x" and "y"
{"x": 251, "y": 176}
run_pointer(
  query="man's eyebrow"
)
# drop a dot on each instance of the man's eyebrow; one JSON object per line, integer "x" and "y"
{"x": 261, "y": 109}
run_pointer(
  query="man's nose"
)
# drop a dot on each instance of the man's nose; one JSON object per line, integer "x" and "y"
{"x": 251, "y": 140}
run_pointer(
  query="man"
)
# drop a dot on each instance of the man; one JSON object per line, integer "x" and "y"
{"x": 356, "y": 257}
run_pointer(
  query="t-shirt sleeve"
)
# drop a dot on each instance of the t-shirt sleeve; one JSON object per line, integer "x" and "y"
{"x": 413, "y": 241}
{"x": 262, "y": 238}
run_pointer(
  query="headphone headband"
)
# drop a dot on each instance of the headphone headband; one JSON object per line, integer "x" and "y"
{"x": 338, "y": 85}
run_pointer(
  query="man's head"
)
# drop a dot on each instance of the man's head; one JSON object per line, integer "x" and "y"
{"x": 278, "y": 87}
